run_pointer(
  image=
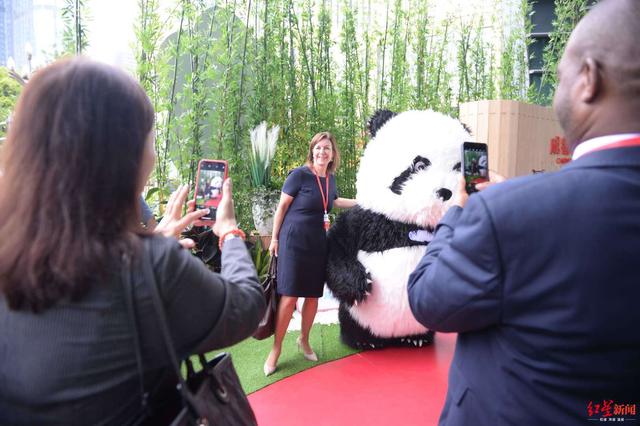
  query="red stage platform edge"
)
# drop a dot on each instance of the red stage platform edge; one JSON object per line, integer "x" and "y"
{"x": 402, "y": 386}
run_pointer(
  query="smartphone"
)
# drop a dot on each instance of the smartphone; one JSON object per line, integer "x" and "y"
{"x": 211, "y": 175}
{"x": 475, "y": 165}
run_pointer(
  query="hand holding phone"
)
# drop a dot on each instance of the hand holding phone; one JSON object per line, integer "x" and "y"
{"x": 475, "y": 167}
{"x": 226, "y": 215}
{"x": 209, "y": 182}
{"x": 173, "y": 221}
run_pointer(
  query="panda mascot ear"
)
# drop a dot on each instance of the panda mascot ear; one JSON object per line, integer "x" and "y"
{"x": 378, "y": 119}
{"x": 467, "y": 128}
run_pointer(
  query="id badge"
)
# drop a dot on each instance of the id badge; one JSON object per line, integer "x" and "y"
{"x": 326, "y": 221}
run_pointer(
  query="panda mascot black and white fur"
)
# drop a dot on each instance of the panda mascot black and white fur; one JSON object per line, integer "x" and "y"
{"x": 404, "y": 186}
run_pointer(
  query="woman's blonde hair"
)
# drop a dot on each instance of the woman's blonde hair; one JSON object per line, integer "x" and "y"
{"x": 335, "y": 161}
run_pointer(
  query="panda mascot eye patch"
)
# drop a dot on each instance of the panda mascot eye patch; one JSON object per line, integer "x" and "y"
{"x": 404, "y": 185}
{"x": 419, "y": 164}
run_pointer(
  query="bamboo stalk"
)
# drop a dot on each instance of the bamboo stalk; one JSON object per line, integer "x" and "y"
{"x": 307, "y": 65}
{"x": 244, "y": 57}
{"x": 384, "y": 51}
{"x": 172, "y": 96}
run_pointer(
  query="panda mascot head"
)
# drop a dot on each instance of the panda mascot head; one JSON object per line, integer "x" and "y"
{"x": 405, "y": 183}
{"x": 411, "y": 165}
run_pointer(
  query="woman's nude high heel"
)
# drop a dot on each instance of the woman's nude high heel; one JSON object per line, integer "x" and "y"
{"x": 268, "y": 369}
{"x": 311, "y": 356}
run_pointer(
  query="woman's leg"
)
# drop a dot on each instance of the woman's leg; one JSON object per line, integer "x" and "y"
{"x": 309, "y": 310}
{"x": 283, "y": 317}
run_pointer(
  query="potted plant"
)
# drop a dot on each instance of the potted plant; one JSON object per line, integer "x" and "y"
{"x": 264, "y": 198}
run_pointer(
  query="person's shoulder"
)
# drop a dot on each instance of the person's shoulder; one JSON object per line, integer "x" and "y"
{"x": 300, "y": 170}
{"x": 162, "y": 250}
{"x": 530, "y": 196}
{"x": 511, "y": 184}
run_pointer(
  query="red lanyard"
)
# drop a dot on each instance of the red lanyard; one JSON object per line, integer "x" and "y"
{"x": 325, "y": 198}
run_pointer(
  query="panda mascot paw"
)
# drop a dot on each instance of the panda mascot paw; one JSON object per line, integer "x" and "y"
{"x": 404, "y": 186}
{"x": 350, "y": 281}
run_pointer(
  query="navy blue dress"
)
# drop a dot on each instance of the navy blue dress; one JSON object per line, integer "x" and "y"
{"x": 302, "y": 246}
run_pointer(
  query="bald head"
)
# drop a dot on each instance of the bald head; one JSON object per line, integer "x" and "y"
{"x": 598, "y": 89}
{"x": 610, "y": 34}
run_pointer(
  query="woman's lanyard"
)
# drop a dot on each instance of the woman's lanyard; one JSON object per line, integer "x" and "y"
{"x": 325, "y": 199}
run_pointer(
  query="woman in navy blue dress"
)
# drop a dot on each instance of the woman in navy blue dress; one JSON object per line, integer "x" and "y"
{"x": 299, "y": 240}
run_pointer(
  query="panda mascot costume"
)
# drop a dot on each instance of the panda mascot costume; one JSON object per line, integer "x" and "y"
{"x": 404, "y": 186}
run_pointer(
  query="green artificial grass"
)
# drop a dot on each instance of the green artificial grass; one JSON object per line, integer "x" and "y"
{"x": 249, "y": 355}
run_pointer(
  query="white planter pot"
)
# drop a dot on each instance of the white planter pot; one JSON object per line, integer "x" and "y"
{"x": 263, "y": 207}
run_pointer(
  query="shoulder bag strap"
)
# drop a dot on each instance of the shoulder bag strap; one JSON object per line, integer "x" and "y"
{"x": 150, "y": 280}
{"x": 129, "y": 299}
{"x": 273, "y": 267}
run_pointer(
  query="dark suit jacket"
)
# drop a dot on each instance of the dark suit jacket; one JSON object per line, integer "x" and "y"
{"x": 540, "y": 276}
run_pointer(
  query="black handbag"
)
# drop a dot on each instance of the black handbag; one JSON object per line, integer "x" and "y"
{"x": 211, "y": 396}
{"x": 267, "y": 325}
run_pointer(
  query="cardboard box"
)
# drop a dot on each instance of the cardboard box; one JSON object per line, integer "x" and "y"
{"x": 522, "y": 138}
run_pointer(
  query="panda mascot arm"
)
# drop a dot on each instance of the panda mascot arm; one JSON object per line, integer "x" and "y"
{"x": 346, "y": 277}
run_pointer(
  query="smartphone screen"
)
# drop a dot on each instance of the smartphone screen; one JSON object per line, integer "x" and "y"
{"x": 474, "y": 165}
{"x": 211, "y": 175}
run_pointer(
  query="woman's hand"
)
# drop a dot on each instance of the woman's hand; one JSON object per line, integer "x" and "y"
{"x": 344, "y": 203}
{"x": 273, "y": 247}
{"x": 226, "y": 215}
{"x": 173, "y": 222}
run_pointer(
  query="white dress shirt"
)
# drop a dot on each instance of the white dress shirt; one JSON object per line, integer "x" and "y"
{"x": 596, "y": 143}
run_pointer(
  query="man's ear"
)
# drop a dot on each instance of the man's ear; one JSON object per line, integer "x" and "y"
{"x": 591, "y": 79}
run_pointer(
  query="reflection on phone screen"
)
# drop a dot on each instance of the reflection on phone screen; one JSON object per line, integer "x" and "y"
{"x": 475, "y": 167}
{"x": 209, "y": 190}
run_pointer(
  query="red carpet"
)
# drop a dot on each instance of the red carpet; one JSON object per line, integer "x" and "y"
{"x": 400, "y": 386}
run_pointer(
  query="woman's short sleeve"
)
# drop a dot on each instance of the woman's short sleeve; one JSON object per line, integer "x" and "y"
{"x": 292, "y": 183}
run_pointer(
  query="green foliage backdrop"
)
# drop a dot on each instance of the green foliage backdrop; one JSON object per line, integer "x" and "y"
{"x": 9, "y": 91}
{"x": 74, "y": 16}
{"x": 310, "y": 66}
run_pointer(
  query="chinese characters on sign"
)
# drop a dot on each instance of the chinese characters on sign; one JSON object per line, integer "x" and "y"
{"x": 558, "y": 146}
{"x": 608, "y": 410}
